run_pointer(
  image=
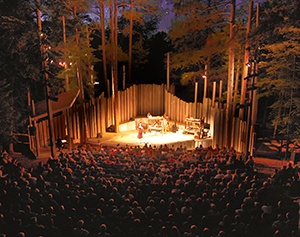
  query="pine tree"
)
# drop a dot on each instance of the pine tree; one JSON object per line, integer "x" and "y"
{"x": 200, "y": 37}
{"x": 19, "y": 64}
{"x": 281, "y": 81}
{"x": 280, "y": 66}
{"x": 9, "y": 114}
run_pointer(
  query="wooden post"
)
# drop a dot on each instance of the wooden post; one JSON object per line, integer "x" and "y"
{"x": 124, "y": 77}
{"x": 36, "y": 137}
{"x": 44, "y": 54}
{"x": 67, "y": 82}
{"x": 254, "y": 100}
{"x": 168, "y": 72}
{"x": 243, "y": 145}
{"x": 196, "y": 97}
{"x": 229, "y": 104}
{"x": 69, "y": 129}
{"x": 204, "y": 100}
{"x": 214, "y": 93}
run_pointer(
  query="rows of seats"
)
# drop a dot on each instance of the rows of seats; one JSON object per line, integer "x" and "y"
{"x": 128, "y": 191}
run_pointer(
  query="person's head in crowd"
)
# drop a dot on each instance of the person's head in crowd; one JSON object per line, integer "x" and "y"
{"x": 133, "y": 200}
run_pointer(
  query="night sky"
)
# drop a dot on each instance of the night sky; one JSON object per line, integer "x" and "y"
{"x": 169, "y": 15}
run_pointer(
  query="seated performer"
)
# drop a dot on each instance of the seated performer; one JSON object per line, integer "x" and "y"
{"x": 140, "y": 131}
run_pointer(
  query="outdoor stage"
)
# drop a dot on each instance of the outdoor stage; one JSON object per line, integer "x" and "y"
{"x": 151, "y": 138}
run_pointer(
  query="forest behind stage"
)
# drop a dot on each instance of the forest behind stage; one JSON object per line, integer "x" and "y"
{"x": 49, "y": 47}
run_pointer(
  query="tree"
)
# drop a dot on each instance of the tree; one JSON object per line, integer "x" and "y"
{"x": 103, "y": 44}
{"x": 8, "y": 114}
{"x": 19, "y": 64}
{"x": 72, "y": 43}
{"x": 230, "y": 78}
{"x": 137, "y": 13}
{"x": 280, "y": 69}
{"x": 198, "y": 35}
{"x": 280, "y": 81}
{"x": 154, "y": 69}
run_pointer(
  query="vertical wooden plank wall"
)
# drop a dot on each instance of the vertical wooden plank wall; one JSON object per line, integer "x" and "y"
{"x": 103, "y": 109}
{"x": 138, "y": 100}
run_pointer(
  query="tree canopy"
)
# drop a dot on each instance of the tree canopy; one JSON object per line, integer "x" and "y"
{"x": 19, "y": 64}
{"x": 280, "y": 68}
{"x": 88, "y": 37}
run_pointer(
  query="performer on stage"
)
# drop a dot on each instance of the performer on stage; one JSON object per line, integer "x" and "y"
{"x": 164, "y": 126}
{"x": 140, "y": 131}
{"x": 164, "y": 123}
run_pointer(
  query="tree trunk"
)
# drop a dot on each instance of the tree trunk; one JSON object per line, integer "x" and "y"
{"x": 245, "y": 70}
{"x": 67, "y": 82}
{"x": 84, "y": 125}
{"x": 47, "y": 89}
{"x": 114, "y": 64}
{"x": 290, "y": 109}
{"x": 130, "y": 42}
{"x": 245, "y": 62}
{"x": 103, "y": 44}
{"x": 229, "y": 105}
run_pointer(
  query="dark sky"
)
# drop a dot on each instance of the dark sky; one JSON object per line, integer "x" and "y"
{"x": 169, "y": 15}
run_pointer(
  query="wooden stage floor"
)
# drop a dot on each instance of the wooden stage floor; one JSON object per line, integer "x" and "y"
{"x": 151, "y": 138}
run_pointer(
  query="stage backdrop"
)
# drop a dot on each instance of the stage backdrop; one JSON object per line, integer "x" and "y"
{"x": 137, "y": 101}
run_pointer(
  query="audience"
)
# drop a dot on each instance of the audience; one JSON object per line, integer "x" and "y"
{"x": 147, "y": 191}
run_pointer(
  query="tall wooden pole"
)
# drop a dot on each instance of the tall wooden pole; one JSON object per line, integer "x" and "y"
{"x": 196, "y": 98}
{"x": 114, "y": 64}
{"x": 103, "y": 44}
{"x": 254, "y": 100}
{"x": 124, "y": 77}
{"x": 67, "y": 82}
{"x": 130, "y": 40}
{"x": 236, "y": 82}
{"x": 44, "y": 54}
{"x": 168, "y": 71}
{"x": 67, "y": 87}
{"x": 246, "y": 61}
{"x": 32, "y": 125}
{"x": 243, "y": 143}
{"x": 229, "y": 104}
{"x": 84, "y": 131}
{"x": 204, "y": 100}
{"x": 220, "y": 93}
{"x": 214, "y": 93}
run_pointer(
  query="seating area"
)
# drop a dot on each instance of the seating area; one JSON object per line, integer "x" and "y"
{"x": 158, "y": 190}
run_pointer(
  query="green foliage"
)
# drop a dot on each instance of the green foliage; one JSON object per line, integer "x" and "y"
{"x": 200, "y": 37}
{"x": 75, "y": 57}
{"x": 78, "y": 56}
{"x": 19, "y": 64}
{"x": 8, "y": 113}
{"x": 280, "y": 66}
{"x": 137, "y": 26}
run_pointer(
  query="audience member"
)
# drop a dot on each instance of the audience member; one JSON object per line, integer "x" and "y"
{"x": 147, "y": 191}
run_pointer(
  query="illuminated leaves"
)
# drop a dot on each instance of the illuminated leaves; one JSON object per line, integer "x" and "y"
{"x": 280, "y": 67}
